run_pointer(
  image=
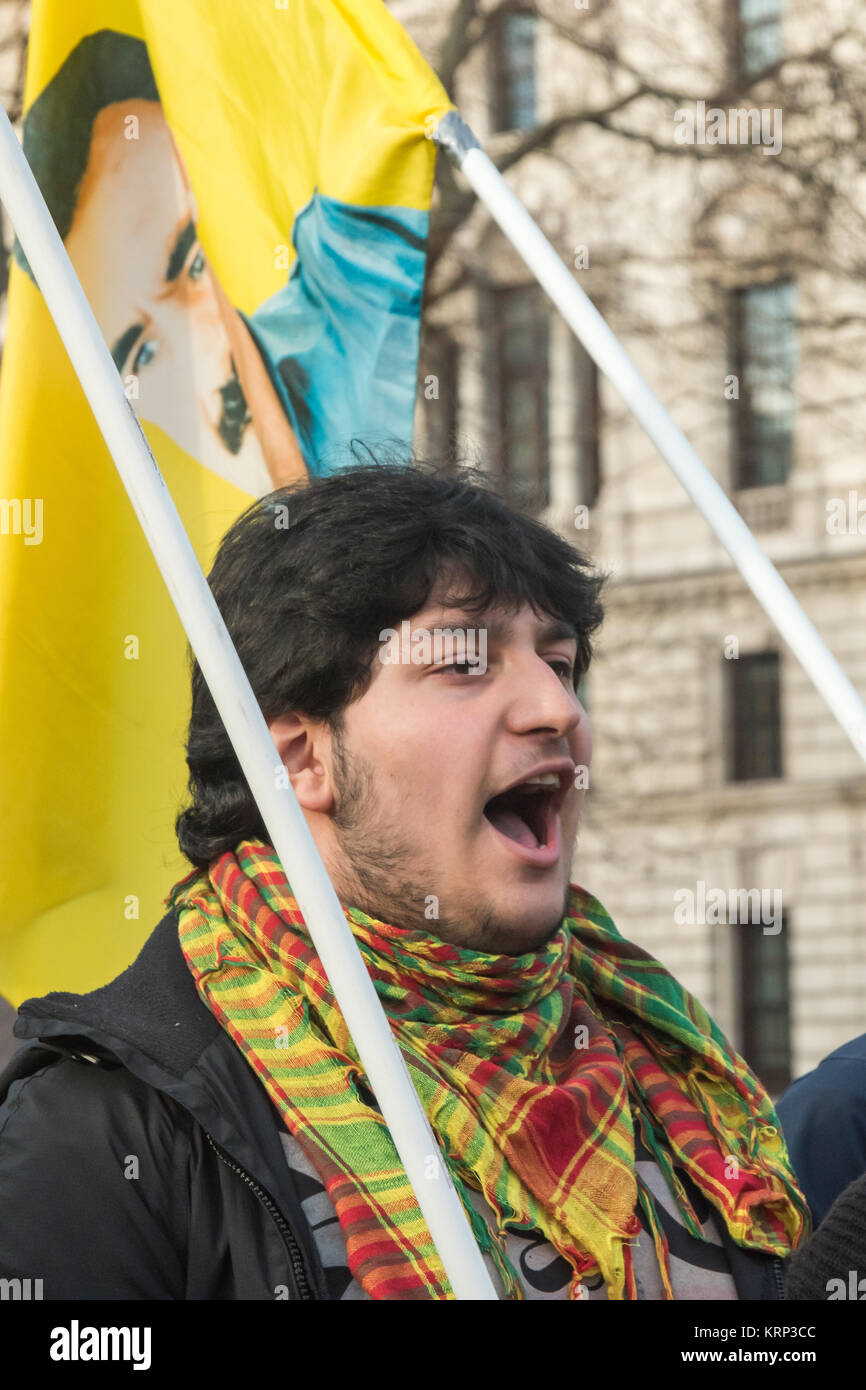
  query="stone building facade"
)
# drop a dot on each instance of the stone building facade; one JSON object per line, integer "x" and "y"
{"x": 717, "y": 764}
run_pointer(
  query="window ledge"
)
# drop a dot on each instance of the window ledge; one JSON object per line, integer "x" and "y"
{"x": 765, "y": 508}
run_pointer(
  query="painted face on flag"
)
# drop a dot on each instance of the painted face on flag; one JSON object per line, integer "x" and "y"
{"x": 261, "y": 395}
{"x": 134, "y": 245}
{"x": 128, "y": 221}
{"x": 457, "y": 794}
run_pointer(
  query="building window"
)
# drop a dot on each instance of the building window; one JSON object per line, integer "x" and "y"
{"x": 586, "y": 432}
{"x": 519, "y": 329}
{"x": 764, "y": 353}
{"x": 512, "y": 71}
{"x": 754, "y": 742}
{"x": 759, "y": 36}
{"x": 439, "y": 373}
{"x": 763, "y": 967}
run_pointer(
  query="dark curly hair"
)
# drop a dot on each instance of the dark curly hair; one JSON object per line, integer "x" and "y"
{"x": 309, "y": 576}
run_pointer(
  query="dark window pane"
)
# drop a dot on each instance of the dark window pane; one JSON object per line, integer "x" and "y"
{"x": 754, "y": 723}
{"x": 512, "y": 72}
{"x": 760, "y": 35}
{"x": 439, "y": 359}
{"x": 586, "y": 427}
{"x": 519, "y": 330}
{"x": 764, "y": 978}
{"x": 765, "y": 363}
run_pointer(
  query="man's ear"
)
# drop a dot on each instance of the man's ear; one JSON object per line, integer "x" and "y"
{"x": 303, "y": 747}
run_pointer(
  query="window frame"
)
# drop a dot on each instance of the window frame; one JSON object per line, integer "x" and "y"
{"x": 442, "y": 353}
{"x": 587, "y": 401}
{"x": 538, "y": 493}
{"x": 746, "y": 39}
{"x": 748, "y": 466}
{"x": 737, "y": 741}
{"x": 750, "y": 1004}
{"x": 502, "y": 75}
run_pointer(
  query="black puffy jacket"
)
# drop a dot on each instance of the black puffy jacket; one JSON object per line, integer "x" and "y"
{"x": 140, "y": 1155}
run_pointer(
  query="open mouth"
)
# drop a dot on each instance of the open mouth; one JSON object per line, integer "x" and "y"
{"x": 522, "y": 814}
{"x": 526, "y": 815}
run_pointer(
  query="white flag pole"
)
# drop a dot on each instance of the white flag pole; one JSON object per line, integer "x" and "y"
{"x": 380, "y": 1055}
{"x": 455, "y": 137}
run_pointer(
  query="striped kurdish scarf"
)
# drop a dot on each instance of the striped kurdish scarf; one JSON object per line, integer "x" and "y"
{"x": 533, "y": 1071}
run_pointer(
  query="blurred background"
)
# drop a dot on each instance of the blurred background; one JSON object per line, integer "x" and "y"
{"x": 732, "y": 271}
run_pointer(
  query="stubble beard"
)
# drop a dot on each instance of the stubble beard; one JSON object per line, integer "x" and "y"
{"x": 376, "y": 874}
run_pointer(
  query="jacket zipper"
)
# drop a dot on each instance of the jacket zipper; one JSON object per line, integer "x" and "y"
{"x": 299, "y": 1272}
{"x": 777, "y": 1271}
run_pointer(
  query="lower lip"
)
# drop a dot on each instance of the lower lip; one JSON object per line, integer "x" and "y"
{"x": 543, "y": 856}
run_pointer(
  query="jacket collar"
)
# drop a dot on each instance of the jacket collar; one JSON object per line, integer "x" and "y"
{"x": 152, "y": 1008}
{"x": 151, "y": 1019}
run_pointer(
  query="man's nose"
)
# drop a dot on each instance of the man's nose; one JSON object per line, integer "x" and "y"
{"x": 543, "y": 700}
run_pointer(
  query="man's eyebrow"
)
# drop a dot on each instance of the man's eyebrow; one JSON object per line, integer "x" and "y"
{"x": 123, "y": 346}
{"x": 557, "y": 629}
{"x": 178, "y": 256}
{"x": 498, "y": 631}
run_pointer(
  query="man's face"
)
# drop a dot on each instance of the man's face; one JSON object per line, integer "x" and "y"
{"x": 417, "y": 764}
{"x": 133, "y": 244}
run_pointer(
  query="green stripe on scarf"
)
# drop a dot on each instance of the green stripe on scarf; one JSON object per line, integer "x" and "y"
{"x": 529, "y": 1068}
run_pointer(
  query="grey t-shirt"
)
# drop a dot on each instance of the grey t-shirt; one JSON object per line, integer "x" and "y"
{"x": 699, "y": 1269}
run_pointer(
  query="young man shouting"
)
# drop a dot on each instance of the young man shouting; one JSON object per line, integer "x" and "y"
{"x": 202, "y": 1128}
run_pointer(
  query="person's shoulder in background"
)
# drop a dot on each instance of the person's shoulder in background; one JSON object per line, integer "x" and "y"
{"x": 829, "y": 1266}
{"x": 823, "y": 1118}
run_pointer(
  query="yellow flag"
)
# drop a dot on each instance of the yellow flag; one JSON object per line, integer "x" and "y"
{"x": 244, "y": 192}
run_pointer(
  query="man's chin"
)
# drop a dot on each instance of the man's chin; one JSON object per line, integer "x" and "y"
{"x": 524, "y": 922}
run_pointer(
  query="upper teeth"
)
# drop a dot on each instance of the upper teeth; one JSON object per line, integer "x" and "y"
{"x": 544, "y": 779}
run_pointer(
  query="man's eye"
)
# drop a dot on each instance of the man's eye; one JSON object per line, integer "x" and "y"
{"x": 145, "y": 354}
{"x": 464, "y": 668}
{"x": 197, "y": 265}
{"x": 565, "y": 668}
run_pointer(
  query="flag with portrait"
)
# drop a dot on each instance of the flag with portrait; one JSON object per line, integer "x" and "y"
{"x": 244, "y": 193}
